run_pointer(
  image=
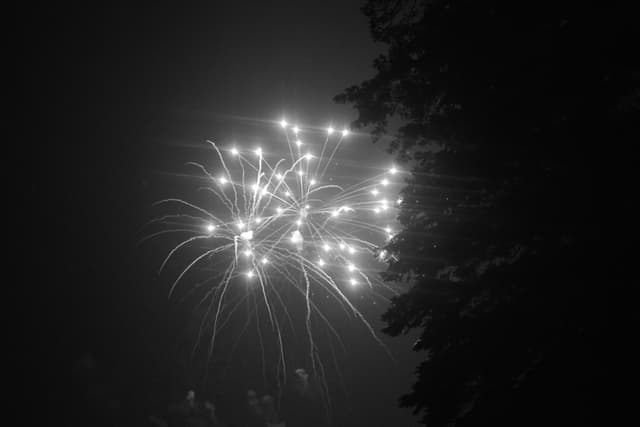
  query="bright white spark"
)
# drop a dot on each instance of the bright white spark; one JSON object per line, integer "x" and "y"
{"x": 296, "y": 236}
{"x": 330, "y": 130}
{"x": 345, "y": 132}
{"x": 283, "y": 123}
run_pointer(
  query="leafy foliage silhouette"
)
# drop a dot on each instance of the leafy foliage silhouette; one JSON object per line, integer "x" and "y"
{"x": 505, "y": 109}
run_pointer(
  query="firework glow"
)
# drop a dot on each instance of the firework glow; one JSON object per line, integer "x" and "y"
{"x": 283, "y": 225}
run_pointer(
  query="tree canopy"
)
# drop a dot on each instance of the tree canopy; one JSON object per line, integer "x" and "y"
{"x": 506, "y": 110}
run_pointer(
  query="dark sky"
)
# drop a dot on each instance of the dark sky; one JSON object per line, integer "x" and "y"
{"x": 117, "y": 97}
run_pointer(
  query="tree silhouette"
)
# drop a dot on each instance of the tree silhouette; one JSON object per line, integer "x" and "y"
{"x": 505, "y": 111}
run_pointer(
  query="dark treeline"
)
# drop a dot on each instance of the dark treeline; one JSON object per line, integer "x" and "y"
{"x": 506, "y": 111}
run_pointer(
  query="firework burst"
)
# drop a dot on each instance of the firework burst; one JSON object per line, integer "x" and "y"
{"x": 282, "y": 225}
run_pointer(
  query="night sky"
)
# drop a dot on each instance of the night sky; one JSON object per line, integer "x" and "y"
{"x": 119, "y": 98}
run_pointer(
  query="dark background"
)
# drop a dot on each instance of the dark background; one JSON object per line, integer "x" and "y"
{"x": 115, "y": 98}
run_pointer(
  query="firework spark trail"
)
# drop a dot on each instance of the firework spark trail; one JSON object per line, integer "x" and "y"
{"x": 324, "y": 147}
{"x": 280, "y": 226}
